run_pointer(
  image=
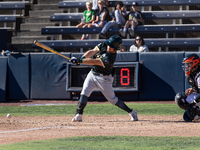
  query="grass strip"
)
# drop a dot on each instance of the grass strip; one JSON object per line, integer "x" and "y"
{"x": 109, "y": 143}
{"x": 91, "y": 109}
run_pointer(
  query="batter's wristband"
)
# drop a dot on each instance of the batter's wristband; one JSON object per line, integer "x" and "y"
{"x": 81, "y": 59}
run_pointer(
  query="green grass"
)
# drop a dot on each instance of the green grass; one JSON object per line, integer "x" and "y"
{"x": 109, "y": 143}
{"x": 92, "y": 109}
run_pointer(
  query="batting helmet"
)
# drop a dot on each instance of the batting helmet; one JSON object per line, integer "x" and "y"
{"x": 115, "y": 42}
{"x": 190, "y": 63}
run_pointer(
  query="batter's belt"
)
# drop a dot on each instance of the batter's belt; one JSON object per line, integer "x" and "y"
{"x": 99, "y": 74}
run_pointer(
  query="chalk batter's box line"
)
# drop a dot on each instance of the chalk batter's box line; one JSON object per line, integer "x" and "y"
{"x": 32, "y": 129}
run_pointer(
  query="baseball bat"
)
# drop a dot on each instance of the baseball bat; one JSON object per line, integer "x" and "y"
{"x": 49, "y": 49}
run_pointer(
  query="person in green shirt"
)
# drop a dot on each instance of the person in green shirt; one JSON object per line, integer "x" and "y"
{"x": 88, "y": 17}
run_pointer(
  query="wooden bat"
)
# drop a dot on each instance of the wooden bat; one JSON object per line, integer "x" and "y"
{"x": 49, "y": 49}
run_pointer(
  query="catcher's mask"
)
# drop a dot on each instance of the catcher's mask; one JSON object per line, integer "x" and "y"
{"x": 115, "y": 42}
{"x": 190, "y": 63}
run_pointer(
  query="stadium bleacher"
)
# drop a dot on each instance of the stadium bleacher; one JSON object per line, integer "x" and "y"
{"x": 166, "y": 28}
{"x": 81, "y": 4}
{"x": 150, "y": 15}
{"x": 14, "y": 5}
{"x": 8, "y": 18}
{"x": 151, "y": 43}
{"x": 163, "y": 23}
{"x": 55, "y": 30}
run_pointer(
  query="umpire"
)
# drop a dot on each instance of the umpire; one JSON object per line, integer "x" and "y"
{"x": 102, "y": 58}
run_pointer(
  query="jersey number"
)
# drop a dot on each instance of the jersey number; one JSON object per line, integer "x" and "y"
{"x": 125, "y": 76}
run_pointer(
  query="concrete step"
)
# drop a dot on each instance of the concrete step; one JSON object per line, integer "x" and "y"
{"x": 10, "y": 12}
{"x": 46, "y": 7}
{"x": 48, "y": 1}
{"x": 32, "y": 26}
{"x": 43, "y": 19}
{"x": 27, "y": 39}
{"x": 38, "y": 13}
{"x": 29, "y": 33}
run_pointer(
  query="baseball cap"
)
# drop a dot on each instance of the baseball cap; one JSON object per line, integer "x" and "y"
{"x": 134, "y": 4}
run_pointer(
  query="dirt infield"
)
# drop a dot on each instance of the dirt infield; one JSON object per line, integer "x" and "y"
{"x": 19, "y": 129}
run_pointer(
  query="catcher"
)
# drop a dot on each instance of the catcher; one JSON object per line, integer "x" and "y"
{"x": 190, "y": 100}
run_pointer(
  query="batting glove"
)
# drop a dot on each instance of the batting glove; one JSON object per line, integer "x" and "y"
{"x": 75, "y": 61}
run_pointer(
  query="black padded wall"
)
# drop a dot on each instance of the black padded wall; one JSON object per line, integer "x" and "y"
{"x": 18, "y": 76}
{"x": 48, "y": 76}
{"x": 3, "y": 75}
{"x": 3, "y": 39}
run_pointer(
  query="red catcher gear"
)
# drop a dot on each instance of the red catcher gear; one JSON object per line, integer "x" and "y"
{"x": 190, "y": 62}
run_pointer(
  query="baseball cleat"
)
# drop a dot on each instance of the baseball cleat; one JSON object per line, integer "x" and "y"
{"x": 77, "y": 118}
{"x": 122, "y": 32}
{"x": 196, "y": 117}
{"x": 131, "y": 32}
{"x": 133, "y": 115}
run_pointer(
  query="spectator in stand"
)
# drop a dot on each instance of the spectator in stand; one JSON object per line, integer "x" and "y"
{"x": 117, "y": 20}
{"x": 88, "y": 17}
{"x": 139, "y": 45}
{"x": 102, "y": 15}
{"x": 135, "y": 19}
{"x": 95, "y": 4}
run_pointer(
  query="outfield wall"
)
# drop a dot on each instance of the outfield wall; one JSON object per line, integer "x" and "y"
{"x": 43, "y": 76}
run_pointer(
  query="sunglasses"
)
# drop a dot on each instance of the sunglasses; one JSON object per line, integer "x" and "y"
{"x": 138, "y": 39}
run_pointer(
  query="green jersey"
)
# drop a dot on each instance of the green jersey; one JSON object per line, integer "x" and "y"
{"x": 107, "y": 59}
{"x": 88, "y": 15}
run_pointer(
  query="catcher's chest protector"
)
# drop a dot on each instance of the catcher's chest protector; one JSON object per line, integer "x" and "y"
{"x": 192, "y": 81}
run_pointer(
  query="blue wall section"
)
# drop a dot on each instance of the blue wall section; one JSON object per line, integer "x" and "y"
{"x": 43, "y": 76}
{"x": 127, "y": 57}
{"x": 48, "y": 76}
{"x": 18, "y": 76}
{"x": 161, "y": 75}
{"x": 3, "y": 75}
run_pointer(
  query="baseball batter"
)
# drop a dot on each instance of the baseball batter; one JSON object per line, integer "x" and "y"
{"x": 189, "y": 101}
{"x": 102, "y": 58}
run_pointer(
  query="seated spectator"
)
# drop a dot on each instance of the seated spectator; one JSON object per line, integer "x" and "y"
{"x": 88, "y": 17}
{"x": 102, "y": 15}
{"x": 135, "y": 19}
{"x": 139, "y": 45}
{"x": 117, "y": 20}
{"x": 95, "y": 4}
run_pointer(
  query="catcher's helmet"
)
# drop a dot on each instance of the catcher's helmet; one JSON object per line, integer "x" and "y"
{"x": 115, "y": 42}
{"x": 190, "y": 63}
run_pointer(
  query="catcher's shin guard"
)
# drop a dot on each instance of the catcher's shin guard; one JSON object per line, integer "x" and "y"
{"x": 81, "y": 104}
{"x": 190, "y": 113}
